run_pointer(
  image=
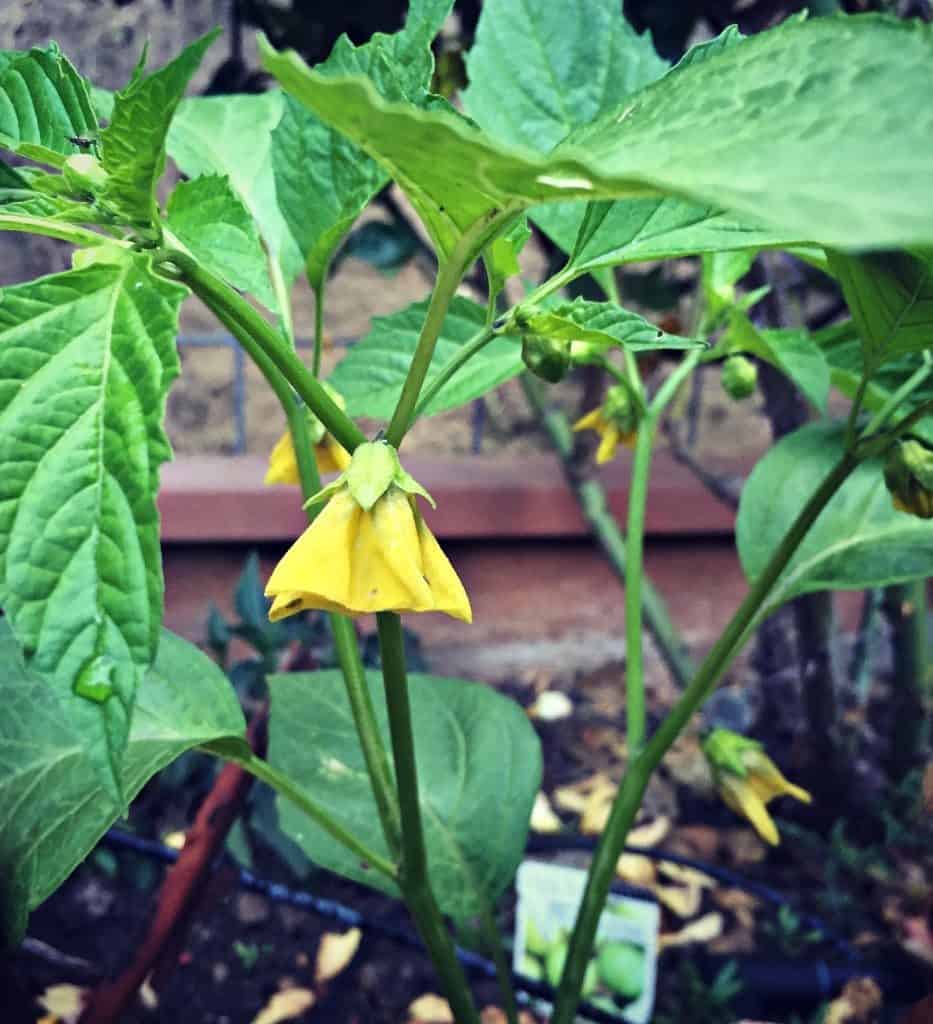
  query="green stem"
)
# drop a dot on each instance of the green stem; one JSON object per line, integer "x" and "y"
{"x": 283, "y": 785}
{"x": 906, "y": 608}
{"x": 628, "y": 799}
{"x": 591, "y": 497}
{"x": 910, "y": 385}
{"x": 54, "y": 229}
{"x": 462, "y": 356}
{"x": 492, "y": 940}
{"x": 239, "y": 317}
{"x": 280, "y": 288}
{"x": 855, "y": 410}
{"x": 449, "y": 275}
{"x": 413, "y": 876}
{"x": 318, "y": 329}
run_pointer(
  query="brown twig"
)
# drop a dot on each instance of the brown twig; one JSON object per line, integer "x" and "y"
{"x": 184, "y": 887}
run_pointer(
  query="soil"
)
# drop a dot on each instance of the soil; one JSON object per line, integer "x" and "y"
{"x": 241, "y": 949}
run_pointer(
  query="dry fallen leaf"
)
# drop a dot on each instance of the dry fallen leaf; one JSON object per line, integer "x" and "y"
{"x": 431, "y": 1009}
{"x": 64, "y": 1003}
{"x": 551, "y": 706}
{"x": 650, "y": 834}
{"x": 743, "y": 846}
{"x": 703, "y": 929}
{"x": 683, "y": 900}
{"x": 597, "y": 808}
{"x": 543, "y": 818}
{"x": 858, "y": 1004}
{"x": 174, "y": 840}
{"x": 743, "y": 904}
{"x": 334, "y": 953}
{"x": 637, "y": 870}
{"x": 148, "y": 995}
{"x": 572, "y": 797}
{"x": 285, "y": 1006}
{"x": 686, "y": 876}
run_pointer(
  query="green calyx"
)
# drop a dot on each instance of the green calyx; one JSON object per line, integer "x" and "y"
{"x": 739, "y": 377}
{"x": 727, "y": 752}
{"x": 373, "y": 469}
{"x": 547, "y": 358}
{"x": 316, "y": 428}
{"x": 621, "y": 409}
{"x": 908, "y": 476}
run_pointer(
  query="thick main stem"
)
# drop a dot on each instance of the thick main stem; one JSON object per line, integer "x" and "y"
{"x": 413, "y": 875}
{"x": 591, "y": 497}
{"x": 636, "y": 779}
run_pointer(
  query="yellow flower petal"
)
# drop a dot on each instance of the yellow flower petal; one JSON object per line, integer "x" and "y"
{"x": 608, "y": 444}
{"x": 331, "y": 455}
{"x": 448, "y": 591}
{"x": 316, "y": 568}
{"x": 741, "y": 797}
{"x": 591, "y": 421}
{"x": 766, "y": 779}
{"x": 283, "y": 469}
{"x": 352, "y": 561}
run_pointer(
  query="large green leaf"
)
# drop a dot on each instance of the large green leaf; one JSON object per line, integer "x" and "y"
{"x": 792, "y": 351}
{"x": 86, "y": 359}
{"x": 747, "y": 130}
{"x": 232, "y": 136}
{"x": 322, "y": 179}
{"x": 604, "y": 323}
{"x": 133, "y": 144}
{"x": 859, "y": 540}
{"x": 214, "y": 225}
{"x": 370, "y": 376}
{"x": 53, "y": 808}
{"x": 842, "y": 347}
{"x": 44, "y": 104}
{"x": 479, "y": 767}
{"x": 537, "y": 71}
{"x": 890, "y": 296}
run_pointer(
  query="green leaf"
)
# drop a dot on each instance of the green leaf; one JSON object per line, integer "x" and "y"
{"x": 86, "y": 359}
{"x": 537, "y": 72}
{"x": 842, "y": 348}
{"x": 605, "y": 234}
{"x": 44, "y": 103}
{"x": 792, "y": 351}
{"x": 323, "y": 181}
{"x": 370, "y": 376}
{"x": 232, "y": 136}
{"x": 211, "y": 221}
{"x": 53, "y": 808}
{"x": 745, "y": 130}
{"x": 859, "y": 540}
{"x": 479, "y": 767}
{"x": 501, "y": 256}
{"x": 890, "y": 296}
{"x": 601, "y": 322}
{"x": 133, "y": 144}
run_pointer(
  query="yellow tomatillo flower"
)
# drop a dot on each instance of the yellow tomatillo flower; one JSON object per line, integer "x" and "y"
{"x": 329, "y": 454}
{"x": 748, "y": 779}
{"x": 616, "y": 422}
{"x": 369, "y": 550}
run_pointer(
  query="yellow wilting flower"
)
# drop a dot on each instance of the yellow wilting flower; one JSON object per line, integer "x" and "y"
{"x": 369, "y": 550}
{"x": 748, "y": 779}
{"x": 329, "y": 454}
{"x": 616, "y": 422}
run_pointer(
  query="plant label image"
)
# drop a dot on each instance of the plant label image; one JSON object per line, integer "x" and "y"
{"x": 620, "y": 977}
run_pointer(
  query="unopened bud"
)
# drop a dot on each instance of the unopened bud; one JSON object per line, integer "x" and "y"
{"x": 908, "y": 476}
{"x": 547, "y": 358}
{"x": 739, "y": 377}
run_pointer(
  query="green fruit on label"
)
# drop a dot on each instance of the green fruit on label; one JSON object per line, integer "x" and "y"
{"x": 531, "y": 967}
{"x": 622, "y": 968}
{"x": 554, "y": 967}
{"x": 535, "y": 942}
{"x": 590, "y": 980}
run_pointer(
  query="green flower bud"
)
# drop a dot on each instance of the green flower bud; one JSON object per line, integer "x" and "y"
{"x": 908, "y": 476}
{"x": 739, "y": 377}
{"x": 547, "y": 358}
{"x": 84, "y": 173}
{"x": 620, "y": 410}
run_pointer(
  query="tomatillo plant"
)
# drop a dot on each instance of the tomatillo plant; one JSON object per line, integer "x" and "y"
{"x": 617, "y": 158}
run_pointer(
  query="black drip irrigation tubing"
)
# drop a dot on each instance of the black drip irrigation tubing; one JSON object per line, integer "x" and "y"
{"x": 815, "y": 979}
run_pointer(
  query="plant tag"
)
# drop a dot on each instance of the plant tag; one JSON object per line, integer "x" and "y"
{"x": 620, "y": 978}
